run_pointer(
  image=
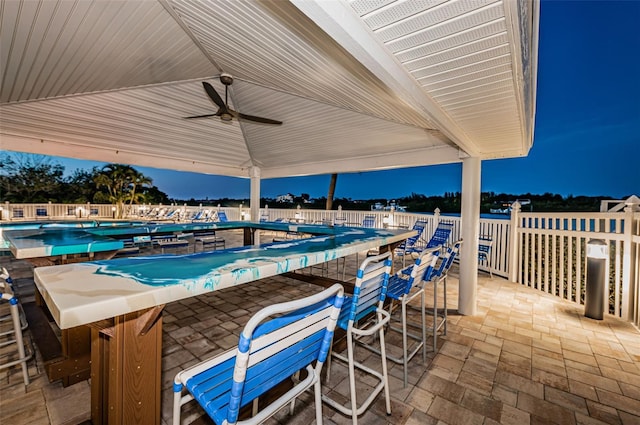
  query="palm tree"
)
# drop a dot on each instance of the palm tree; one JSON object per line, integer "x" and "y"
{"x": 121, "y": 182}
{"x": 141, "y": 181}
{"x": 332, "y": 190}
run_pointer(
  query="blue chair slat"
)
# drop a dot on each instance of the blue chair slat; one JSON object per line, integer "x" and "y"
{"x": 439, "y": 238}
{"x": 369, "y": 221}
{"x": 484, "y": 251}
{"x": 405, "y": 286}
{"x": 270, "y": 350}
{"x": 368, "y": 297}
{"x": 402, "y": 282}
{"x": 418, "y": 226}
{"x": 441, "y": 235}
{"x": 398, "y": 285}
{"x": 211, "y": 388}
{"x": 287, "y": 319}
{"x": 269, "y": 373}
{"x": 222, "y": 216}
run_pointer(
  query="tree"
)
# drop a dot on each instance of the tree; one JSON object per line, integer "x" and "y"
{"x": 30, "y": 178}
{"x": 332, "y": 190}
{"x": 153, "y": 195}
{"x": 120, "y": 182}
{"x": 80, "y": 187}
{"x": 139, "y": 181}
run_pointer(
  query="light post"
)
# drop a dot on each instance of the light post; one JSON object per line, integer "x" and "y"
{"x": 594, "y": 300}
{"x": 113, "y": 212}
{"x": 298, "y": 214}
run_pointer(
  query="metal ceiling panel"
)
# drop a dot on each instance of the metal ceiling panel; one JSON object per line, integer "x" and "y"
{"x": 465, "y": 54}
{"x": 400, "y": 11}
{"x": 312, "y": 131}
{"x": 364, "y": 7}
{"x": 461, "y": 54}
{"x": 146, "y": 121}
{"x": 292, "y": 56}
{"x": 58, "y": 48}
{"x": 460, "y": 75}
{"x": 416, "y": 82}
{"x": 415, "y": 24}
{"x": 473, "y": 24}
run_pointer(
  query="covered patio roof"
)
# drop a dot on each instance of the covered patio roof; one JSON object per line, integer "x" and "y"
{"x": 359, "y": 85}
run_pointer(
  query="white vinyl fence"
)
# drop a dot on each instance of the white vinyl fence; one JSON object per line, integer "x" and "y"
{"x": 544, "y": 251}
{"x": 550, "y": 255}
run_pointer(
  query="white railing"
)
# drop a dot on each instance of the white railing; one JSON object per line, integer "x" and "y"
{"x": 544, "y": 251}
{"x": 550, "y": 255}
{"x": 50, "y": 211}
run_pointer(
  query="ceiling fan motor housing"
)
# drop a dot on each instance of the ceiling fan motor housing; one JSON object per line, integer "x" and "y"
{"x": 226, "y": 79}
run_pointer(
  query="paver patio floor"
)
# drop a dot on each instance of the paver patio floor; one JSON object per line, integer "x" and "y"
{"x": 525, "y": 358}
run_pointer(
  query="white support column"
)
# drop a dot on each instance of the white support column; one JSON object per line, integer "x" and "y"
{"x": 254, "y": 200}
{"x": 470, "y": 219}
{"x": 628, "y": 266}
{"x": 514, "y": 247}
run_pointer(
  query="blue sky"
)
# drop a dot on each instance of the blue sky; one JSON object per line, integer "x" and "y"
{"x": 587, "y": 133}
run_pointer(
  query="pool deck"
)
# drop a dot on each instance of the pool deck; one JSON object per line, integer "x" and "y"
{"x": 525, "y": 358}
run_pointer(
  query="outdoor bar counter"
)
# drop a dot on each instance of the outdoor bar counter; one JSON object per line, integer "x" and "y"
{"x": 122, "y": 301}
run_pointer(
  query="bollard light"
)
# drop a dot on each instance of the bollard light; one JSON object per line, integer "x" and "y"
{"x": 597, "y": 248}
{"x": 594, "y": 300}
{"x": 113, "y": 212}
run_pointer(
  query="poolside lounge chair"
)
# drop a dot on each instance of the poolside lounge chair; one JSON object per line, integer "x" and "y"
{"x": 369, "y": 221}
{"x": 339, "y": 221}
{"x": 272, "y": 348}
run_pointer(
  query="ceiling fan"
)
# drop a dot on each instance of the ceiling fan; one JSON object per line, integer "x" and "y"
{"x": 224, "y": 112}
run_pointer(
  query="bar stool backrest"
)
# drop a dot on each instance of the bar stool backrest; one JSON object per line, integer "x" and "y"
{"x": 277, "y": 342}
{"x": 369, "y": 291}
{"x": 423, "y": 268}
{"x": 448, "y": 259}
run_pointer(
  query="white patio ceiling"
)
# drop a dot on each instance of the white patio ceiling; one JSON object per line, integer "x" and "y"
{"x": 360, "y": 85}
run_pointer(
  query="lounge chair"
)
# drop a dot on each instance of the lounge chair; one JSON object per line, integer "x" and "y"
{"x": 369, "y": 221}
{"x": 222, "y": 216}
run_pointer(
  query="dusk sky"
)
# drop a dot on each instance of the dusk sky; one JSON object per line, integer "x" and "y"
{"x": 587, "y": 138}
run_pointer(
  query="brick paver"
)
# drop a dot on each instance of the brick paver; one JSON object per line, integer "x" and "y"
{"x": 526, "y": 358}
